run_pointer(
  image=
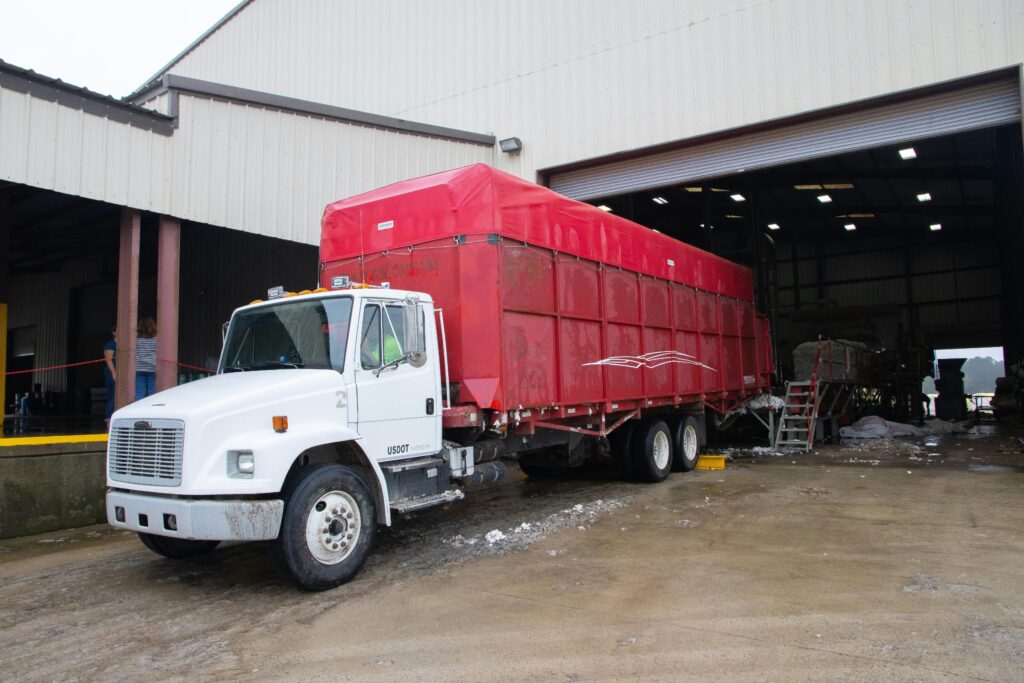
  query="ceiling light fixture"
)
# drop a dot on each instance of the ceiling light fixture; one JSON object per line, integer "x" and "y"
{"x": 737, "y": 197}
{"x": 824, "y": 198}
{"x": 694, "y": 189}
{"x": 807, "y": 187}
{"x": 850, "y": 227}
{"x": 604, "y": 207}
{"x": 733, "y": 215}
{"x": 660, "y": 200}
{"x": 935, "y": 227}
{"x": 908, "y": 153}
{"x": 773, "y": 226}
{"x": 838, "y": 186}
{"x": 924, "y": 197}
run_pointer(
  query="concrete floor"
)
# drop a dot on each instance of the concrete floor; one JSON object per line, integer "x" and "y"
{"x": 851, "y": 563}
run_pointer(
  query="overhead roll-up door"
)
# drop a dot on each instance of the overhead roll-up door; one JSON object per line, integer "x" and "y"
{"x": 969, "y": 108}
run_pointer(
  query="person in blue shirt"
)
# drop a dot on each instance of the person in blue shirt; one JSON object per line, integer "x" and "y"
{"x": 110, "y": 372}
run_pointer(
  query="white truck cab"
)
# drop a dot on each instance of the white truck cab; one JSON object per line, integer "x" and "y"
{"x": 324, "y": 415}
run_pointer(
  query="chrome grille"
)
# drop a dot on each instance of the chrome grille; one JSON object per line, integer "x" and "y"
{"x": 146, "y": 451}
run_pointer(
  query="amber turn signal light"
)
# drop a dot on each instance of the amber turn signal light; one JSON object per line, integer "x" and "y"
{"x": 280, "y": 423}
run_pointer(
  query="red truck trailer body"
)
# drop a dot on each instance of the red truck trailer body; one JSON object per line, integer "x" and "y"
{"x": 553, "y": 304}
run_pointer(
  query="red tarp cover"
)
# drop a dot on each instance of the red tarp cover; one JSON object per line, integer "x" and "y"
{"x": 478, "y": 200}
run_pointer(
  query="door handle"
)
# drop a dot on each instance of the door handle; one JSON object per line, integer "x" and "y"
{"x": 430, "y": 406}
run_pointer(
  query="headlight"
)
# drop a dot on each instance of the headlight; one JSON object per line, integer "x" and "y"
{"x": 241, "y": 464}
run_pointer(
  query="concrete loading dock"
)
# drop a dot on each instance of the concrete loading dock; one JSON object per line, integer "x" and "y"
{"x": 840, "y": 564}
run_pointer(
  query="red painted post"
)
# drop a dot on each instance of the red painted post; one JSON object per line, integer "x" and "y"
{"x": 168, "y": 261}
{"x": 127, "y": 304}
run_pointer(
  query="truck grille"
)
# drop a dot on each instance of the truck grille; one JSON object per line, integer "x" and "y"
{"x": 146, "y": 451}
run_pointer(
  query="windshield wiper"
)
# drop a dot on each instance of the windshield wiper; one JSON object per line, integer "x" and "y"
{"x": 235, "y": 368}
{"x": 266, "y": 364}
{"x": 393, "y": 364}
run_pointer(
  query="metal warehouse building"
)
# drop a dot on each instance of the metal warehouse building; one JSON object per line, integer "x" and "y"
{"x": 865, "y": 157}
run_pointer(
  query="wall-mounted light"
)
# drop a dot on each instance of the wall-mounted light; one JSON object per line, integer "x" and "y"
{"x": 660, "y": 200}
{"x": 737, "y": 197}
{"x": 908, "y": 153}
{"x": 935, "y": 227}
{"x": 773, "y": 226}
{"x": 604, "y": 207}
{"x": 511, "y": 145}
{"x": 849, "y": 227}
{"x": 824, "y": 198}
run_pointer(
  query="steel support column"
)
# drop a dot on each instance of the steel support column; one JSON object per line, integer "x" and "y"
{"x": 169, "y": 255}
{"x": 127, "y": 304}
{"x": 5, "y": 285}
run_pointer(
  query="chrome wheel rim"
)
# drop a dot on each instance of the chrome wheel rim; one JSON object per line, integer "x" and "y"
{"x": 332, "y": 527}
{"x": 662, "y": 450}
{"x": 690, "y": 443}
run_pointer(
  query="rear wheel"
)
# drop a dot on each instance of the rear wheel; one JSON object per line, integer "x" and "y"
{"x": 176, "y": 548}
{"x": 686, "y": 444}
{"x": 621, "y": 441}
{"x": 328, "y": 527}
{"x": 652, "y": 450}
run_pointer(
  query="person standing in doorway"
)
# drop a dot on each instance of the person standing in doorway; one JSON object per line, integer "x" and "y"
{"x": 110, "y": 372}
{"x": 145, "y": 359}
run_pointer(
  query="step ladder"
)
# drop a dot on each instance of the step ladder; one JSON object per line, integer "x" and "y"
{"x": 799, "y": 416}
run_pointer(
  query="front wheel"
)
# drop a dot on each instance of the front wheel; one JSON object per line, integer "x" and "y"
{"x": 328, "y": 527}
{"x": 176, "y": 548}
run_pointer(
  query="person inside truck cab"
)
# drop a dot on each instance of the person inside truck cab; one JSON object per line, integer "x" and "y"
{"x": 373, "y": 340}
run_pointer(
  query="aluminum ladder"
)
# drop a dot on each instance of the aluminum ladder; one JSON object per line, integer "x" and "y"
{"x": 799, "y": 416}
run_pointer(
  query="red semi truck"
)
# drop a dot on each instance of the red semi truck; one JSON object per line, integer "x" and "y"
{"x": 463, "y": 318}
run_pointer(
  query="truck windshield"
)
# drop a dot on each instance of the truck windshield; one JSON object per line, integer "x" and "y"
{"x": 291, "y": 334}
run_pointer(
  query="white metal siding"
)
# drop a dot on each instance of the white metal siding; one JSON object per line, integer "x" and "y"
{"x": 577, "y": 79}
{"x": 248, "y": 168}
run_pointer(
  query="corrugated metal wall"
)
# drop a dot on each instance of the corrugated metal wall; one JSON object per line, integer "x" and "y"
{"x": 248, "y": 168}
{"x": 582, "y": 78}
{"x": 42, "y": 300}
{"x": 953, "y": 290}
{"x": 224, "y": 269}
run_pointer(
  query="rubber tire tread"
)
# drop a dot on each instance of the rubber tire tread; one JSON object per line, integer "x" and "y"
{"x": 679, "y": 461}
{"x": 643, "y": 451}
{"x": 289, "y": 550}
{"x": 621, "y": 442}
{"x": 176, "y": 548}
{"x": 534, "y": 471}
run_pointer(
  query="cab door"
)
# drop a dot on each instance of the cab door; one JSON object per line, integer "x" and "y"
{"x": 399, "y": 411}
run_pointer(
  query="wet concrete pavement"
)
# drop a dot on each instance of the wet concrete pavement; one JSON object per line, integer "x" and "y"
{"x": 900, "y": 561}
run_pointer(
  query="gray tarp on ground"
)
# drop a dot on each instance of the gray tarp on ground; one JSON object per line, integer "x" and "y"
{"x": 874, "y": 427}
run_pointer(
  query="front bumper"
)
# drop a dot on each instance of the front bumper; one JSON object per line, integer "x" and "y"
{"x": 195, "y": 519}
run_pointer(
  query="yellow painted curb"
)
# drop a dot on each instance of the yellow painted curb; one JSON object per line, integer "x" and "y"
{"x": 47, "y": 440}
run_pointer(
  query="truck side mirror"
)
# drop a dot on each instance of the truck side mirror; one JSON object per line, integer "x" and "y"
{"x": 415, "y": 334}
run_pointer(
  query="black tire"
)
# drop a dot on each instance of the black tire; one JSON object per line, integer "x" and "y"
{"x": 344, "y": 504}
{"x": 652, "y": 450}
{"x": 537, "y": 471}
{"x": 685, "y": 444}
{"x": 621, "y": 443}
{"x": 176, "y": 548}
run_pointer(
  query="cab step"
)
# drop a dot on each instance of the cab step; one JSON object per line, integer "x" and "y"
{"x": 423, "y": 502}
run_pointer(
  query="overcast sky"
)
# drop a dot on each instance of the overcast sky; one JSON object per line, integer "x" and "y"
{"x": 110, "y": 46}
